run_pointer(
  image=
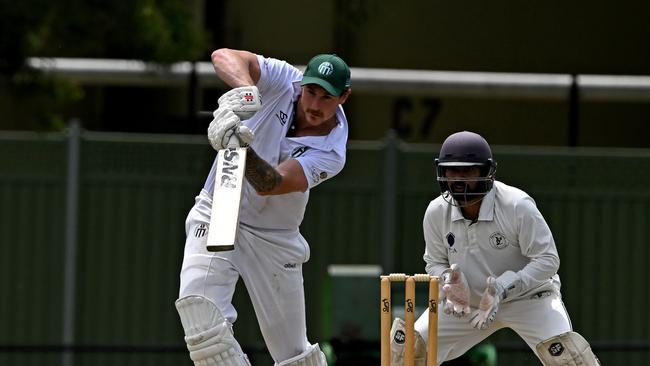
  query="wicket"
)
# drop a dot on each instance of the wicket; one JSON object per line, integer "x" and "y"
{"x": 409, "y": 317}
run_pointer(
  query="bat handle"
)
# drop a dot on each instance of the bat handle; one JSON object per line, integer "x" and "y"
{"x": 233, "y": 141}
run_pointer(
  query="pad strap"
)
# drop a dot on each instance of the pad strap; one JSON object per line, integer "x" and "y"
{"x": 312, "y": 357}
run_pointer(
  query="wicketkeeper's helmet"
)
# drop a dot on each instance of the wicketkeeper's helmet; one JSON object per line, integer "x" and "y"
{"x": 466, "y": 149}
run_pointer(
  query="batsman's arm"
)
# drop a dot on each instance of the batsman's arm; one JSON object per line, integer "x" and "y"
{"x": 286, "y": 178}
{"x": 236, "y": 68}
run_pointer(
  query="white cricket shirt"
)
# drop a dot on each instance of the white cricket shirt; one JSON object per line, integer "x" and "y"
{"x": 510, "y": 241}
{"x": 321, "y": 157}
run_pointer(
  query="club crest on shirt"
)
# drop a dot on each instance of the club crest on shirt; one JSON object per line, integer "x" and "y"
{"x": 451, "y": 239}
{"x": 498, "y": 240}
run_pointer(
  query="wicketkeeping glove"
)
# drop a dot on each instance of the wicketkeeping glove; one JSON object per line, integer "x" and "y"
{"x": 226, "y": 126}
{"x": 243, "y": 101}
{"x": 455, "y": 292}
{"x": 489, "y": 305}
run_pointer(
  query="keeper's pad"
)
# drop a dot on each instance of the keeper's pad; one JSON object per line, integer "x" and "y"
{"x": 311, "y": 357}
{"x": 397, "y": 340}
{"x": 208, "y": 334}
{"x": 566, "y": 349}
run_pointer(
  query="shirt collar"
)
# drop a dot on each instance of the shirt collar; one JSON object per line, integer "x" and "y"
{"x": 486, "y": 213}
{"x": 487, "y": 206}
{"x": 297, "y": 90}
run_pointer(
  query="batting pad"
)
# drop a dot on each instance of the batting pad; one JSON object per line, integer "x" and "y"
{"x": 208, "y": 334}
{"x": 312, "y": 357}
{"x": 569, "y": 349}
{"x": 397, "y": 340}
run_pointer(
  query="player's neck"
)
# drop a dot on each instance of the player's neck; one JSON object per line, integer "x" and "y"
{"x": 471, "y": 212}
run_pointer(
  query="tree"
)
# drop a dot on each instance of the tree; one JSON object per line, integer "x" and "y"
{"x": 153, "y": 30}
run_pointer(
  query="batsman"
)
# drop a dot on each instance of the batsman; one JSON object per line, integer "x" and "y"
{"x": 498, "y": 263}
{"x": 295, "y": 133}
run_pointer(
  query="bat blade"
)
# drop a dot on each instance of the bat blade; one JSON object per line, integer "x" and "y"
{"x": 226, "y": 199}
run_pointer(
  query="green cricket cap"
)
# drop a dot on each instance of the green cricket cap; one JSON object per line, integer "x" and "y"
{"x": 328, "y": 71}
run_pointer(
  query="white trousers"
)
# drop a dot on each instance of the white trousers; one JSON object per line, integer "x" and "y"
{"x": 534, "y": 320}
{"x": 269, "y": 263}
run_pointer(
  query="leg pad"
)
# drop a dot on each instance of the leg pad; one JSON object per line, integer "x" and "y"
{"x": 311, "y": 357}
{"x": 569, "y": 349}
{"x": 208, "y": 334}
{"x": 397, "y": 339}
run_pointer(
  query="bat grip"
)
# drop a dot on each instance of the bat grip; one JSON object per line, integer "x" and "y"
{"x": 233, "y": 141}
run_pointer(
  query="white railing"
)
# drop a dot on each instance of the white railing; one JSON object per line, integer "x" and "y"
{"x": 619, "y": 88}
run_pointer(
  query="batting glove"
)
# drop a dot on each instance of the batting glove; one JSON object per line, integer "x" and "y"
{"x": 240, "y": 136}
{"x": 455, "y": 292}
{"x": 243, "y": 101}
{"x": 222, "y": 128}
{"x": 245, "y": 135}
{"x": 489, "y": 305}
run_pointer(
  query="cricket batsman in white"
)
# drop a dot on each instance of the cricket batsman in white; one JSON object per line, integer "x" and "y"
{"x": 296, "y": 133}
{"x": 498, "y": 263}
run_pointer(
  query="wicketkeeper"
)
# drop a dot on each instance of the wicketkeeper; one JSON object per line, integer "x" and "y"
{"x": 497, "y": 260}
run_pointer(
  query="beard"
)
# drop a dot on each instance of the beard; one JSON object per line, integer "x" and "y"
{"x": 465, "y": 193}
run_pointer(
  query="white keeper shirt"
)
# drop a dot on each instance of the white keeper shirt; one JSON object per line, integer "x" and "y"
{"x": 510, "y": 240}
{"x": 321, "y": 157}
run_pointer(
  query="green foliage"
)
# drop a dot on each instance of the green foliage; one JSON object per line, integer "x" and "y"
{"x": 39, "y": 100}
{"x": 164, "y": 31}
{"x": 18, "y": 21}
{"x": 153, "y": 30}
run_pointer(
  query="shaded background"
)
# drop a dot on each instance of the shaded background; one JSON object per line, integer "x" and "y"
{"x": 579, "y": 37}
{"x": 143, "y": 157}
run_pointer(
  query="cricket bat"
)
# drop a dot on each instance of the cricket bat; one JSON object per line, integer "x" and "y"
{"x": 226, "y": 198}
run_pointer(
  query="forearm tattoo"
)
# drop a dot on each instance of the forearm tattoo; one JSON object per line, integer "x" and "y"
{"x": 260, "y": 174}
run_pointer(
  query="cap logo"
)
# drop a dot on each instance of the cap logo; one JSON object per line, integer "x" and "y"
{"x": 325, "y": 68}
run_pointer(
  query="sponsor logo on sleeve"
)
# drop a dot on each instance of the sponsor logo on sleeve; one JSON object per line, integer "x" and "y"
{"x": 315, "y": 175}
{"x": 282, "y": 117}
{"x": 200, "y": 231}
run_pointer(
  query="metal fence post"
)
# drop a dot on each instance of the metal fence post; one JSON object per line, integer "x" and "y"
{"x": 389, "y": 197}
{"x": 71, "y": 223}
{"x": 574, "y": 112}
